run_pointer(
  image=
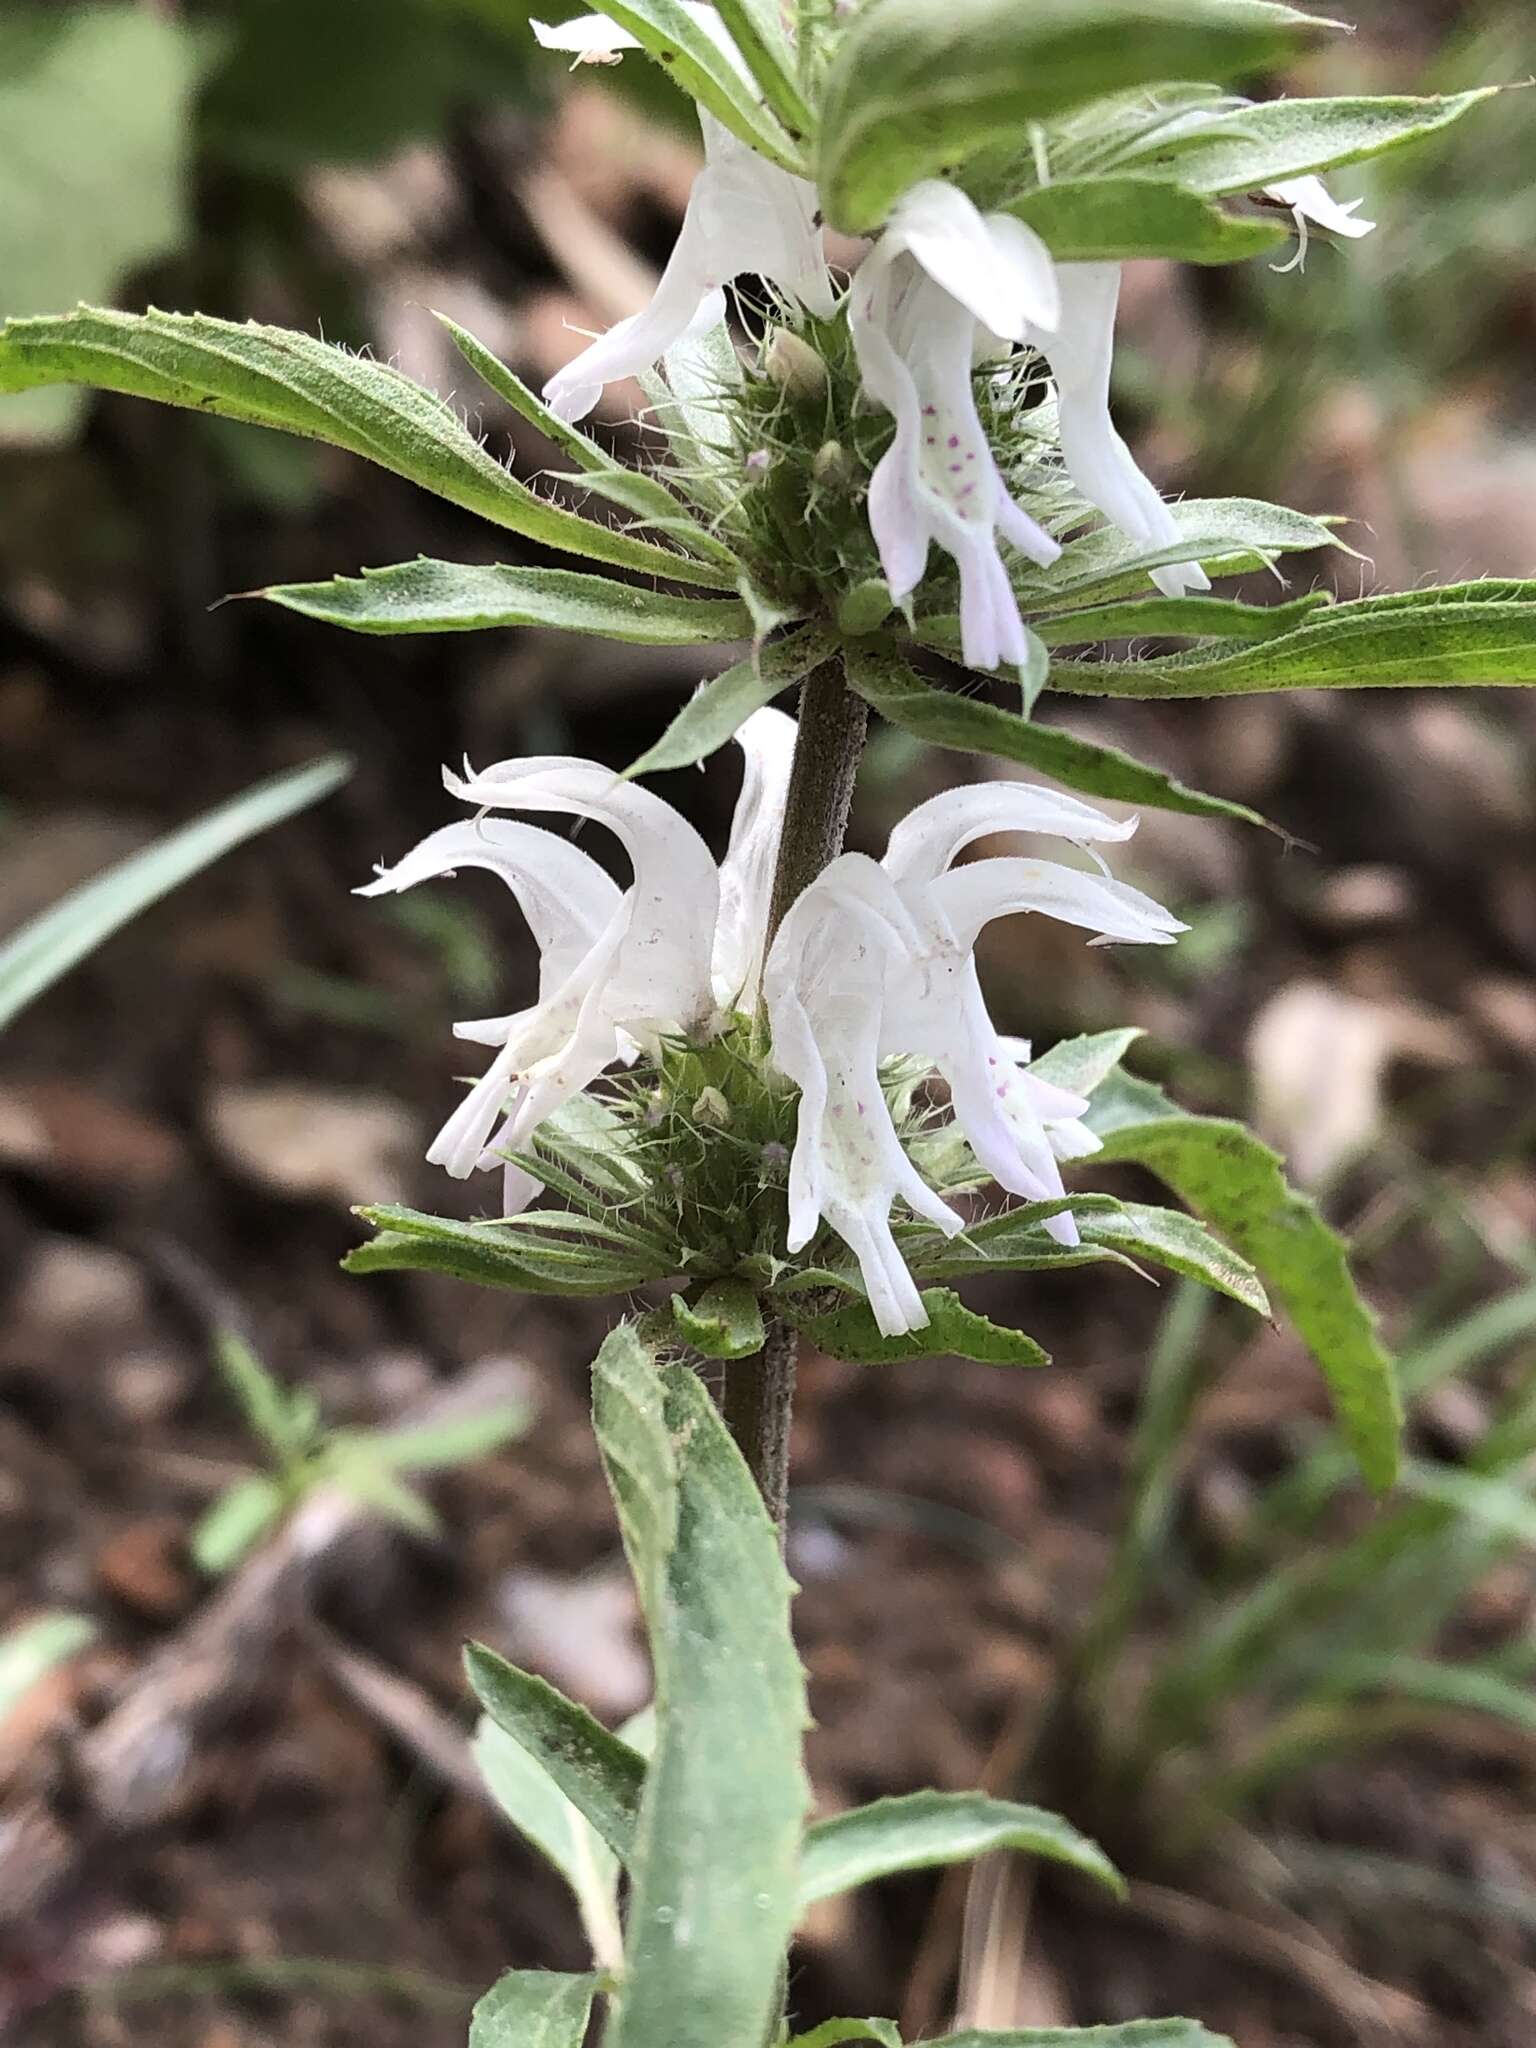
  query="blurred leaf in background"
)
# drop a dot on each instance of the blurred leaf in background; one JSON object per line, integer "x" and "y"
{"x": 94, "y": 157}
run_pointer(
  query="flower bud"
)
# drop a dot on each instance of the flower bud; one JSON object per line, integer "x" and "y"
{"x": 712, "y": 1108}
{"x": 795, "y": 366}
{"x": 833, "y": 467}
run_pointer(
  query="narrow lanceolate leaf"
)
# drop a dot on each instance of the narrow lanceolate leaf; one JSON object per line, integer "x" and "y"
{"x": 1111, "y": 219}
{"x": 468, "y": 597}
{"x": 757, "y": 30}
{"x": 725, "y": 1321}
{"x": 638, "y": 491}
{"x": 533, "y": 2009}
{"x": 944, "y": 718}
{"x": 925, "y": 1829}
{"x": 1179, "y": 618}
{"x": 667, "y": 32}
{"x": 1234, "y": 1180}
{"x": 598, "y": 1772}
{"x": 1169, "y": 1238}
{"x": 543, "y": 1815}
{"x": 835, "y": 2033}
{"x": 953, "y": 1330}
{"x": 495, "y": 1254}
{"x": 1254, "y": 146}
{"x": 1464, "y": 633}
{"x": 917, "y": 86}
{"x": 35, "y": 957}
{"x": 715, "y": 710}
{"x": 1230, "y": 536}
{"x": 271, "y": 377}
{"x": 1129, "y": 2034}
{"x": 713, "y": 1868}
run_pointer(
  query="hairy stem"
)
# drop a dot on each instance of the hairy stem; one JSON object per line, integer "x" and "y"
{"x": 760, "y": 1391}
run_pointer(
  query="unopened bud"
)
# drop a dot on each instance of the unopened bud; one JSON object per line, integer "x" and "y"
{"x": 758, "y": 462}
{"x": 833, "y": 466}
{"x": 795, "y": 366}
{"x": 712, "y": 1108}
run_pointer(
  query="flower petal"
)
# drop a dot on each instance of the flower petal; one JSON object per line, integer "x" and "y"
{"x": 660, "y": 978}
{"x": 1311, "y": 198}
{"x": 1006, "y": 280}
{"x": 972, "y": 896}
{"x": 767, "y": 741}
{"x": 928, "y": 839}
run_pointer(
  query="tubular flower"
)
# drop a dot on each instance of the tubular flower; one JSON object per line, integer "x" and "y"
{"x": 744, "y": 215}
{"x": 618, "y": 969}
{"x": 1080, "y": 354}
{"x": 1310, "y": 200}
{"x": 876, "y": 961}
{"x": 943, "y": 279}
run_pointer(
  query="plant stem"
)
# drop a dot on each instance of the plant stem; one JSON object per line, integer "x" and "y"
{"x": 760, "y": 1391}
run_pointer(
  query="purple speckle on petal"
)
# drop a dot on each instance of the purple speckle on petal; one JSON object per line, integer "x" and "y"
{"x": 954, "y": 468}
{"x": 954, "y": 440}
{"x": 929, "y": 411}
{"x": 1002, "y": 1088}
{"x": 837, "y": 1109}
{"x": 861, "y": 1109}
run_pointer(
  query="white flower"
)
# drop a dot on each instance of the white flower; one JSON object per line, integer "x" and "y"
{"x": 942, "y": 281}
{"x": 744, "y": 215}
{"x": 1080, "y": 354}
{"x": 617, "y": 968}
{"x": 1310, "y": 199}
{"x": 876, "y": 962}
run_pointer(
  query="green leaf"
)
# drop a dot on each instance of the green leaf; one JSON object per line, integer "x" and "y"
{"x": 713, "y": 1867}
{"x": 715, "y": 710}
{"x": 533, "y": 2009}
{"x": 944, "y": 718}
{"x": 667, "y": 32}
{"x": 493, "y": 1255}
{"x": 640, "y": 491}
{"x": 1230, "y": 536}
{"x": 1458, "y": 1688}
{"x": 917, "y": 86}
{"x": 757, "y": 30}
{"x": 557, "y": 1828}
{"x": 1169, "y": 1238}
{"x": 1179, "y": 618}
{"x": 94, "y": 148}
{"x": 1129, "y": 2034}
{"x": 1111, "y": 219}
{"x": 271, "y": 377}
{"x": 1254, "y": 146}
{"x": 29, "y": 1651}
{"x": 235, "y": 1523}
{"x": 926, "y": 1829}
{"x": 464, "y": 597}
{"x": 1080, "y": 1064}
{"x": 1465, "y": 633}
{"x": 833, "y": 2033}
{"x": 598, "y": 1773}
{"x": 953, "y": 1330}
{"x": 1234, "y": 1180}
{"x": 439, "y": 1446}
{"x": 724, "y": 1322}
{"x": 42, "y": 951}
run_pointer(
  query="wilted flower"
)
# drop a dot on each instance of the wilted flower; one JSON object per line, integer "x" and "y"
{"x": 744, "y": 215}
{"x": 618, "y": 970}
{"x": 875, "y": 961}
{"x": 943, "y": 279}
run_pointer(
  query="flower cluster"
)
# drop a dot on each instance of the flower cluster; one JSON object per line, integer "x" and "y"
{"x": 874, "y": 963}
{"x": 943, "y": 289}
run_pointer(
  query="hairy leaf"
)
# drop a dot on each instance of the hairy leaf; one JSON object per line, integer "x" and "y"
{"x": 924, "y": 1829}
{"x": 1169, "y": 1238}
{"x": 687, "y": 53}
{"x": 715, "y": 710}
{"x": 714, "y": 1857}
{"x": 944, "y": 718}
{"x": 953, "y": 1329}
{"x": 1275, "y": 140}
{"x": 464, "y": 597}
{"x": 1234, "y": 1180}
{"x": 271, "y": 377}
{"x": 917, "y": 86}
{"x": 1128, "y": 2034}
{"x": 725, "y": 1321}
{"x": 1112, "y": 219}
{"x": 834, "y": 2033}
{"x": 1179, "y": 618}
{"x": 495, "y": 1254}
{"x": 1476, "y": 633}
{"x": 533, "y": 2009}
{"x": 597, "y": 1771}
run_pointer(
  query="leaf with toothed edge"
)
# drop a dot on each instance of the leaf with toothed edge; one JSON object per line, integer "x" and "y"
{"x": 952, "y": 1330}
